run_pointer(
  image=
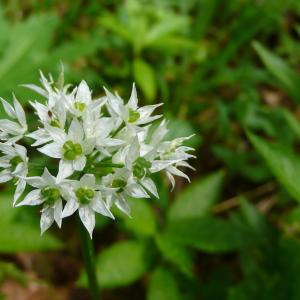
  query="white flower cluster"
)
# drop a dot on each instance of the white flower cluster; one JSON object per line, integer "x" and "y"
{"x": 102, "y": 150}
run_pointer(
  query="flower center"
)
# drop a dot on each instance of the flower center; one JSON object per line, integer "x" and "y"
{"x": 15, "y": 161}
{"x": 140, "y": 167}
{"x": 51, "y": 195}
{"x": 55, "y": 123}
{"x": 133, "y": 116}
{"x": 71, "y": 150}
{"x": 79, "y": 106}
{"x": 84, "y": 195}
{"x": 119, "y": 183}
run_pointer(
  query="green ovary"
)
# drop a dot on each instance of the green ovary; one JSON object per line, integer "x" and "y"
{"x": 133, "y": 116}
{"x": 71, "y": 150}
{"x": 79, "y": 106}
{"x": 84, "y": 195}
{"x": 51, "y": 195}
{"x": 15, "y": 161}
{"x": 140, "y": 167}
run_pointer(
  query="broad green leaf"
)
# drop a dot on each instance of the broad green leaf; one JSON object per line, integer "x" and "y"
{"x": 279, "y": 69}
{"x": 163, "y": 286}
{"x": 208, "y": 234}
{"x": 198, "y": 198}
{"x": 7, "y": 211}
{"x": 252, "y": 216}
{"x": 142, "y": 221}
{"x": 175, "y": 254}
{"x": 109, "y": 22}
{"x": 16, "y": 237}
{"x": 174, "y": 44}
{"x": 122, "y": 264}
{"x": 284, "y": 164}
{"x": 293, "y": 123}
{"x": 165, "y": 27}
{"x": 145, "y": 78}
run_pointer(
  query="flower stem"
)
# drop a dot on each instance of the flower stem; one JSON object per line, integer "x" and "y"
{"x": 89, "y": 261}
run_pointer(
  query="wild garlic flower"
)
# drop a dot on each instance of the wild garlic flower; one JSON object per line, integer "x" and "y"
{"x": 49, "y": 192}
{"x": 12, "y": 131}
{"x": 100, "y": 152}
{"x": 14, "y": 165}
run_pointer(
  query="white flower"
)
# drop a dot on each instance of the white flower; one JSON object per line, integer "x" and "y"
{"x": 71, "y": 148}
{"x": 130, "y": 113}
{"x": 12, "y": 131}
{"x": 49, "y": 192}
{"x": 15, "y": 166}
{"x": 53, "y": 92}
{"x": 86, "y": 198}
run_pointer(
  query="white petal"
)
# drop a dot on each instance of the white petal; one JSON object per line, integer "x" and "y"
{"x": 58, "y": 135}
{"x": 172, "y": 180}
{"x": 150, "y": 186}
{"x": 58, "y": 212}
{"x": 5, "y": 176}
{"x": 136, "y": 191}
{"x": 36, "y": 89}
{"x": 19, "y": 112}
{"x": 76, "y": 131}
{"x": 47, "y": 219}
{"x": 69, "y": 209}
{"x": 83, "y": 93}
{"x": 88, "y": 180}
{"x": 8, "y": 109}
{"x": 48, "y": 178}
{"x": 22, "y": 151}
{"x": 19, "y": 190}
{"x": 10, "y": 127}
{"x": 133, "y": 152}
{"x": 123, "y": 205}
{"x": 133, "y": 101}
{"x": 100, "y": 207}
{"x": 177, "y": 172}
{"x": 65, "y": 170}
{"x": 36, "y": 182}
{"x": 87, "y": 216}
{"x": 79, "y": 163}
{"x": 52, "y": 150}
{"x": 33, "y": 198}
{"x": 158, "y": 165}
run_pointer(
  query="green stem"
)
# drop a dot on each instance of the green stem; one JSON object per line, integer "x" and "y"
{"x": 89, "y": 261}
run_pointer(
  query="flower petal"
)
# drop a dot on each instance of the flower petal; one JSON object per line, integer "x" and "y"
{"x": 47, "y": 219}
{"x": 33, "y": 198}
{"x": 69, "y": 209}
{"x": 79, "y": 163}
{"x": 65, "y": 170}
{"x": 87, "y": 216}
{"x": 52, "y": 150}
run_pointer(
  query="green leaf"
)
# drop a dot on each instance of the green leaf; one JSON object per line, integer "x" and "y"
{"x": 109, "y": 22}
{"x": 142, "y": 221}
{"x": 252, "y": 216}
{"x": 145, "y": 78}
{"x": 279, "y": 69}
{"x": 284, "y": 164}
{"x": 122, "y": 264}
{"x": 293, "y": 123}
{"x": 16, "y": 237}
{"x": 208, "y": 234}
{"x": 175, "y": 254}
{"x": 163, "y": 286}
{"x": 198, "y": 198}
{"x": 165, "y": 27}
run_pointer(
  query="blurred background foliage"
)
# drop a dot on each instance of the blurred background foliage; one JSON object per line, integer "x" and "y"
{"x": 226, "y": 71}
